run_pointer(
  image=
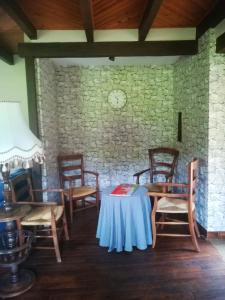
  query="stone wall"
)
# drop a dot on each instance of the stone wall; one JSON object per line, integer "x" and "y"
{"x": 48, "y": 121}
{"x": 216, "y": 162}
{"x": 75, "y": 116}
{"x": 191, "y": 96}
{"x": 115, "y": 142}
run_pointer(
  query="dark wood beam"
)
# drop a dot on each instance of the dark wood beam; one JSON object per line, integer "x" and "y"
{"x": 16, "y": 13}
{"x": 6, "y": 56}
{"x": 33, "y": 115}
{"x": 87, "y": 17}
{"x": 148, "y": 18}
{"x": 31, "y": 95}
{"x": 220, "y": 44}
{"x": 108, "y": 49}
{"x": 213, "y": 19}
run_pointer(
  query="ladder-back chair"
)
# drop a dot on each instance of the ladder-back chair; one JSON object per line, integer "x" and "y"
{"x": 178, "y": 204}
{"x": 73, "y": 178}
{"x": 162, "y": 163}
{"x": 47, "y": 219}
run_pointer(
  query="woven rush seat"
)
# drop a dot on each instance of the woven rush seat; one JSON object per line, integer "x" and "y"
{"x": 169, "y": 205}
{"x": 42, "y": 215}
{"x": 154, "y": 188}
{"x": 80, "y": 191}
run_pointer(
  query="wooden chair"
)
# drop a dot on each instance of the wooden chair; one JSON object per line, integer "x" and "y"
{"x": 72, "y": 179}
{"x": 47, "y": 219}
{"x": 177, "y": 203}
{"x": 162, "y": 163}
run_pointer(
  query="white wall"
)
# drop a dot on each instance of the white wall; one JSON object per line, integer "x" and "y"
{"x": 155, "y": 34}
{"x": 13, "y": 85}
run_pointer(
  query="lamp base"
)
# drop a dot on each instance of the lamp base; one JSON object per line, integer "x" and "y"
{"x": 9, "y": 289}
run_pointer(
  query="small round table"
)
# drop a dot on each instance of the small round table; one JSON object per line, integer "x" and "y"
{"x": 14, "y": 249}
{"x": 124, "y": 221}
{"x": 10, "y": 214}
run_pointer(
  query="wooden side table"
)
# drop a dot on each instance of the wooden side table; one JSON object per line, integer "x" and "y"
{"x": 14, "y": 249}
{"x": 13, "y": 212}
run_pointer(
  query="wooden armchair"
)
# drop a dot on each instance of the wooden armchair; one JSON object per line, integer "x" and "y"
{"x": 47, "y": 219}
{"x": 72, "y": 179}
{"x": 178, "y": 204}
{"x": 162, "y": 163}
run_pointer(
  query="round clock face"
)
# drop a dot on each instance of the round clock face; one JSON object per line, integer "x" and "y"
{"x": 117, "y": 98}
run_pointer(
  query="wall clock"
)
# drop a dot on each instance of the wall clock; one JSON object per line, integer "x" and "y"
{"x": 117, "y": 99}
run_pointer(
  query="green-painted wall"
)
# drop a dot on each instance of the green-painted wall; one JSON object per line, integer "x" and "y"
{"x": 13, "y": 83}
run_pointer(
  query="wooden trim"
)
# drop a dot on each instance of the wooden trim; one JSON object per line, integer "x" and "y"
{"x": 211, "y": 234}
{"x": 216, "y": 234}
{"x": 148, "y": 18}
{"x": 220, "y": 44}
{"x": 179, "y": 127}
{"x": 6, "y": 56}
{"x": 87, "y": 17}
{"x": 16, "y": 13}
{"x": 31, "y": 95}
{"x": 106, "y": 49}
{"x": 216, "y": 15}
{"x": 202, "y": 230}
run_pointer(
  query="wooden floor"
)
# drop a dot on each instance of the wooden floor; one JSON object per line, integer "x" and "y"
{"x": 171, "y": 271}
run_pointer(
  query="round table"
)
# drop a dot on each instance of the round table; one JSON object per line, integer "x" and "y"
{"x": 124, "y": 221}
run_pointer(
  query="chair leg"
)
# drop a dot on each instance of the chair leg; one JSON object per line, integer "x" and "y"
{"x": 162, "y": 219}
{"x": 55, "y": 241}
{"x": 71, "y": 211}
{"x": 196, "y": 226}
{"x": 192, "y": 232}
{"x": 153, "y": 227}
{"x": 83, "y": 202}
{"x": 97, "y": 200}
{"x": 65, "y": 227}
{"x": 19, "y": 227}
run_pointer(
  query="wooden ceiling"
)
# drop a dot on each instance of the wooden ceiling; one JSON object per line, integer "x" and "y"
{"x": 18, "y": 16}
{"x": 112, "y": 14}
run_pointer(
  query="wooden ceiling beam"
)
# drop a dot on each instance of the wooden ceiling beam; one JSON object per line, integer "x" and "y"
{"x": 216, "y": 15}
{"x": 17, "y": 14}
{"x": 220, "y": 44}
{"x": 6, "y": 56}
{"x": 87, "y": 17}
{"x": 148, "y": 18}
{"x": 108, "y": 49}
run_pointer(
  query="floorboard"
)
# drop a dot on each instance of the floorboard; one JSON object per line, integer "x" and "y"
{"x": 171, "y": 271}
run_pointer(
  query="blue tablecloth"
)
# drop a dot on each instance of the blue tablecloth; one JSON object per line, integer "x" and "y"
{"x": 124, "y": 221}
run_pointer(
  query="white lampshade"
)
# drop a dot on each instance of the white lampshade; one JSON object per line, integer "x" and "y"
{"x": 18, "y": 145}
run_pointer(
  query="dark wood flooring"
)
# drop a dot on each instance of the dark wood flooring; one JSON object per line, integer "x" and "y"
{"x": 171, "y": 271}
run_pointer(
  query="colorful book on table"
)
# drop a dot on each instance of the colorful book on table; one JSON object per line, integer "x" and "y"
{"x": 125, "y": 189}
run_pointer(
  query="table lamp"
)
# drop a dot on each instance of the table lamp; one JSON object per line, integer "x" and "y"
{"x": 19, "y": 147}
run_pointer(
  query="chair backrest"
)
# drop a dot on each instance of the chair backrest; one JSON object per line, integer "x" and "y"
{"x": 21, "y": 187}
{"x": 192, "y": 179}
{"x": 162, "y": 162}
{"x": 71, "y": 169}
